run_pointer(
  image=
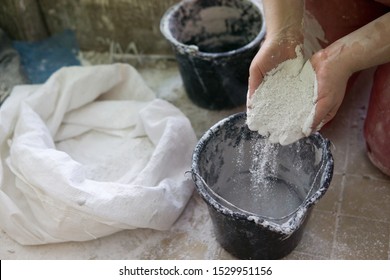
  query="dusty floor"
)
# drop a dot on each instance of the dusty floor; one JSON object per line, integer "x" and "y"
{"x": 352, "y": 221}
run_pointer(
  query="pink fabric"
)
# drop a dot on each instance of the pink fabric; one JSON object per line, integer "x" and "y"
{"x": 377, "y": 124}
{"x": 339, "y": 18}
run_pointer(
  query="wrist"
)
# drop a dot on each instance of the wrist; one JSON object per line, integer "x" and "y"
{"x": 286, "y": 37}
{"x": 332, "y": 59}
{"x": 284, "y": 18}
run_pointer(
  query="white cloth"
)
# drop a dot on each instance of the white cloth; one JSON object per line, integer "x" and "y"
{"x": 89, "y": 153}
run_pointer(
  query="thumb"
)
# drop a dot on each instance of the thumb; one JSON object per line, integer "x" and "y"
{"x": 322, "y": 114}
{"x": 255, "y": 79}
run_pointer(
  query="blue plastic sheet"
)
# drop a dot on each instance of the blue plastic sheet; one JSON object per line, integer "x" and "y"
{"x": 43, "y": 58}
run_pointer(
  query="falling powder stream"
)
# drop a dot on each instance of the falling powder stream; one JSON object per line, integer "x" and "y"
{"x": 263, "y": 165}
{"x": 259, "y": 167}
{"x": 261, "y": 182}
{"x": 256, "y": 186}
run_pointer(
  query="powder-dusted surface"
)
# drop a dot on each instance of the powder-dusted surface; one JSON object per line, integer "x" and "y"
{"x": 331, "y": 229}
{"x": 284, "y": 104}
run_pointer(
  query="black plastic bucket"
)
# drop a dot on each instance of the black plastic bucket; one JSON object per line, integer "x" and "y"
{"x": 214, "y": 42}
{"x": 259, "y": 194}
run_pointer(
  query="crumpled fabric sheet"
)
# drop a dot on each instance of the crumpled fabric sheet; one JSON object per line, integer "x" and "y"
{"x": 89, "y": 153}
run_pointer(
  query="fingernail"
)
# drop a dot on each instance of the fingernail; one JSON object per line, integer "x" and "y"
{"x": 318, "y": 128}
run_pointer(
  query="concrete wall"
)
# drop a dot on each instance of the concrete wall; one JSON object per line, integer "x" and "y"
{"x": 22, "y": 20}
{"x": 126, "y": 25}
{"x": 99, "y": 24}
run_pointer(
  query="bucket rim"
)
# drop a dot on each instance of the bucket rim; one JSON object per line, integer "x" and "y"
{"x": 193, "y": 49}
{"x": 297, "y": 218}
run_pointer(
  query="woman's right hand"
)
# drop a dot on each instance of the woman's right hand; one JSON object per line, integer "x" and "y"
{"x": 273, "y": 52}
{"x": 284, "y": 20}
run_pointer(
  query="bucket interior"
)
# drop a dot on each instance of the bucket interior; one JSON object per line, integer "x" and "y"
{"x": 242, "y": 168}
{"x": 215, "y": 26}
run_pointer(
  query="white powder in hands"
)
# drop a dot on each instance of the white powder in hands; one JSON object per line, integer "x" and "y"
{"x": 283, "y": 106}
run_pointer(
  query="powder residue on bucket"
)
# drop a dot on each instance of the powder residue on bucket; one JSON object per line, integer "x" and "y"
{"x": 283, "y": 106}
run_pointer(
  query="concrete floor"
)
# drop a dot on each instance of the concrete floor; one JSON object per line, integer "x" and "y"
{"x": 352, "y": 220}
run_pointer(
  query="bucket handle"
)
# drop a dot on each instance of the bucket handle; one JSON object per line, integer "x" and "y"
{"x": 228, "y": 204}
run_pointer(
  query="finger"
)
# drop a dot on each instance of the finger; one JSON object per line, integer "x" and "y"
{"x": 255, "y": 79}
{"x": 323, "y": 114}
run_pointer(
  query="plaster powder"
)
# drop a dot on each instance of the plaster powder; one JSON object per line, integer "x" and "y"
{"x": 283, "y": 106}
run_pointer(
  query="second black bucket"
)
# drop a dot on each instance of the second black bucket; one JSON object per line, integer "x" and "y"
{"x": 214, "y": 42}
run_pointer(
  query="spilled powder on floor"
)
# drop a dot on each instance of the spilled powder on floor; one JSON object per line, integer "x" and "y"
{"x": 283, "y": 106}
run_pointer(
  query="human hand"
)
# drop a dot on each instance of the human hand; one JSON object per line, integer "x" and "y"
{"x": 284, "y": 32}
{"x": 273, "y": 52}
{"x": 366, "y": 47}
{"x": 332, "y": 77}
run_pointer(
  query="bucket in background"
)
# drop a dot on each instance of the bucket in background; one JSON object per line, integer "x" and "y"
{"x": 259, "y": 194}
{"x": 214, "y": 42}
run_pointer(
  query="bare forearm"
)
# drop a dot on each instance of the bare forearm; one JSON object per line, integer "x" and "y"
{"x": 284, "y": 17}
{"x": 363, "y": 48}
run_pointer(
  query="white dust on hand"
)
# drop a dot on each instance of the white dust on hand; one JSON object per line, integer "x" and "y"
{"x": 283, "y": 106}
